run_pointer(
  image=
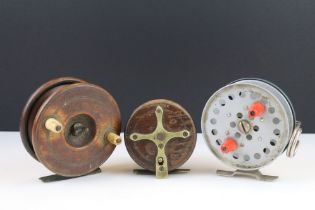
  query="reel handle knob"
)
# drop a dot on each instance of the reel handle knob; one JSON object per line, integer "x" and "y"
{"x": 229, "y": 145}
{"x": 256, "y": 109}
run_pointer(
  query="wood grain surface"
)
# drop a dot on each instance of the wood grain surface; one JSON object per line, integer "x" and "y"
{"x": 175, "y": 118}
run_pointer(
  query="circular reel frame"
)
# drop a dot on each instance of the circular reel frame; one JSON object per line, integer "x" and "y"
{"x": 160, "y": 136}
{"x": 70, "y": 126}
{"x": 278, "y": 94}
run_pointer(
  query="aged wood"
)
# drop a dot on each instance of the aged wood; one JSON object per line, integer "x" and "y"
{"x": 30, "y": 107}
{"x": 144, "y": 120}
{"x": 84, "y": 115}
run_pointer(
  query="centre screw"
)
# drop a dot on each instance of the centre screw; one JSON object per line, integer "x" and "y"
{"x": 244, "y": 126}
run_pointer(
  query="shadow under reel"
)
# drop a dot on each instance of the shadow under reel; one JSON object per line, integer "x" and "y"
{"x": 71, "y": 127}
{"x": 160, "y": 136}
{"x": 248, "y": 124}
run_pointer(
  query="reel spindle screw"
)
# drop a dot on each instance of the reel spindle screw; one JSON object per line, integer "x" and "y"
{"x": 244, "y": 126}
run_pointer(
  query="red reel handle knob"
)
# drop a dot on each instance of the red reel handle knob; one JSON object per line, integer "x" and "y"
{"x": 229, "y": 145}
{"x": 256, "y": 109}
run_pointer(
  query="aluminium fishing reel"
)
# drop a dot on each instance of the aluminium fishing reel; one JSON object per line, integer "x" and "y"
{"x": 249, "y": 123}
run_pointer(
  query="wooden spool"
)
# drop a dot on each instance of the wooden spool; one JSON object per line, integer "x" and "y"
{"x": 70, "y": 126}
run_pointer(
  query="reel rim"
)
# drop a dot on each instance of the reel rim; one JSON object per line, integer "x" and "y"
{"x": 32, "y": 101}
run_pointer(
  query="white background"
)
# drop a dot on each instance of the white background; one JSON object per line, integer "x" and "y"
{"x": 118, "y": 188}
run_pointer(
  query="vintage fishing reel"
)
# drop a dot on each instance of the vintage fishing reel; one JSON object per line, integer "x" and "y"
{"x": 71, "y": 127}
{"x": 160, "y": 136}
{"x": 248, "y": 124}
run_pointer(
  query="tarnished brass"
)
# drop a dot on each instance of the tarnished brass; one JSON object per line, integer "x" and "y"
{"x": 114, "y": 138}
{"x": 160, "y": 137}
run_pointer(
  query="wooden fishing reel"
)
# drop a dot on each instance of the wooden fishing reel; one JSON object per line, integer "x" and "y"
{"x": 160, "y": 136}
{"x": 70, "y": 126}
{"x": 248, "y": 124}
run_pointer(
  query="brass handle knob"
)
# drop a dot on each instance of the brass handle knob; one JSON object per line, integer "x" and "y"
{"x": 113, "y": 138}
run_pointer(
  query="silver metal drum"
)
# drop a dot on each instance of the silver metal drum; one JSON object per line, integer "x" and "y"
{"x": 248, "y": 124}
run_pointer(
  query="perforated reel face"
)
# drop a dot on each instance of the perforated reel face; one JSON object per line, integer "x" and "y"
{"x": 247, "y": 124}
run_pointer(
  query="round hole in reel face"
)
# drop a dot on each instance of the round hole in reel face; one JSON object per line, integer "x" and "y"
{"x": 256, "y": 117}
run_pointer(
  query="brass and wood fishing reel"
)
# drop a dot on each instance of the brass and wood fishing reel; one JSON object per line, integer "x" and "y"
{"x": 160, "y": 136}
{"x": 70, "y": 126}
